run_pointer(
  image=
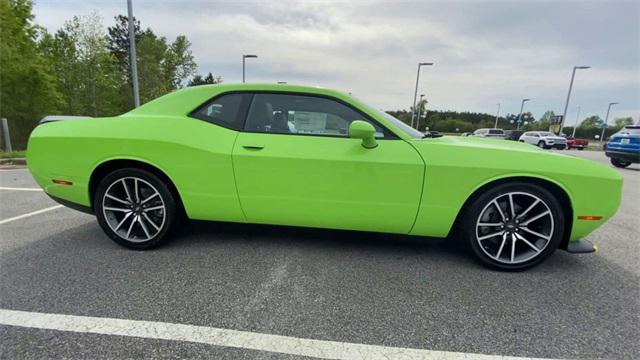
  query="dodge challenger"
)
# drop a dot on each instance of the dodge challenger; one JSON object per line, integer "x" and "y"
{"x": 314, "y": 157}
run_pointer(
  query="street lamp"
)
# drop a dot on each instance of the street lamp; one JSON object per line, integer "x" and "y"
{"x": 244, "y": 57}
{"x": 566, "y": 104}
{"x": 606, "y": 119}
{"x": 419, "y": 103}
{"x": 576, "y": 125}
{"x": 520, "y": 115}
{"x": 415, "y": 94}
{"x": 495, "y": 126}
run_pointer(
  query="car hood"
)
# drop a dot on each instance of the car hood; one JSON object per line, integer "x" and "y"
{"x": 506, "y": 156}
{"x": 482, "y": 142}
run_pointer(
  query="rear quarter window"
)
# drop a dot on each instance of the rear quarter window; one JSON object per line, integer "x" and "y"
{"x": 226, "y": 110}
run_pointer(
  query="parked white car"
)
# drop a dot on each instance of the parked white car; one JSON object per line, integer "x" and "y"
{"x": 544, "y": 139}
{"x": 494, "y": 133}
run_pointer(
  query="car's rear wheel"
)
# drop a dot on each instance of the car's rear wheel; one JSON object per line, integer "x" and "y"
{"x": 620, "y": 163}
{"x": 514, "y": 226}
{"x": 135, "y": 208}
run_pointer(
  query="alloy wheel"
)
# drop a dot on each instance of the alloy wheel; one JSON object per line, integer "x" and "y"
{"x": 514, "y": 227}
{"x": 134, "y": 209}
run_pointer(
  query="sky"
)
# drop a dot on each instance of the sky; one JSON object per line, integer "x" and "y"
{"x": 484, "y": 52}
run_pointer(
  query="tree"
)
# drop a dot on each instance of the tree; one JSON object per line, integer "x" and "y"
{"x": 86, "y": 71}
{"x": 179, "y": 64}
{"x": 593, "y": 121}
{"x": 622, "y": 122}
{"x": 162, "y": 66}
{"x": 28, "y": 90}
{"x": 209, "y": 79}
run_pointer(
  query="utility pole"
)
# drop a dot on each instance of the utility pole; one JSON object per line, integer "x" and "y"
{"x": 132, "y": 54}
{"x": 495, "y": 126}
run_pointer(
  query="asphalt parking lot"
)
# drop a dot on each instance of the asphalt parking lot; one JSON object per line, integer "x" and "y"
{"x": 335, "y": 286}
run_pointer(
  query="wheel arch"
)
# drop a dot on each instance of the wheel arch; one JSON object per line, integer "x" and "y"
{"x": 110, "y": 165}
{"x": 558, "y": 190}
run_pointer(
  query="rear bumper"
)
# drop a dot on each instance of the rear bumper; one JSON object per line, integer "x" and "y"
{"x": 633, "y": 157}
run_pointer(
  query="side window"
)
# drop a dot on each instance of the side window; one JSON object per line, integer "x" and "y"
{"x": 299, "y": 114}
{"x": 226, "y": 110}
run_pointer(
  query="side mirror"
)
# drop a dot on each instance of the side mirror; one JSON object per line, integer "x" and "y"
{"x": 359, "y": 129}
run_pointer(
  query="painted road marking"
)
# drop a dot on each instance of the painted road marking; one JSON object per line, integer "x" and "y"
{"x": 19, "y": 189}
{"x": 228, "y": 338}
{"x": 29, "y": 214}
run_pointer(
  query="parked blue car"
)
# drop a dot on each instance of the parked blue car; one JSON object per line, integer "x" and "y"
{"x": 624, "y": 146}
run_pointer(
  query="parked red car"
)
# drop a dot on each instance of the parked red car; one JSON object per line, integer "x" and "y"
{"x": 573, "y": 143}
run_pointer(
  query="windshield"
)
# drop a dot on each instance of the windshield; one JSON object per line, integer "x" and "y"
{"x": 401, "y": 125}
{"x": 546, "y": 133}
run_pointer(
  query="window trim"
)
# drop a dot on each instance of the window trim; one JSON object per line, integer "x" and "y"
{"x": 388, "y": 134}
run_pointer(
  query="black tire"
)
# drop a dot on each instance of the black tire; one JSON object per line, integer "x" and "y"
{"x": 475, "y": 210}
{"x": 580, "y": 148}
{"x": 169, "y": 214}
{"x": 542, "y": 145}
{"x": 620, "y": 163}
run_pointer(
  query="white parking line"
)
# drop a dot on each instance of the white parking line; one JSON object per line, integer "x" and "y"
{"x": 29, "y": 214}
{"x": 229, "y": 338}
{"x": 19, "y": 189}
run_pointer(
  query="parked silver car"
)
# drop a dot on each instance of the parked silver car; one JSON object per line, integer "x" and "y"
{"x": 544, "y": 139}
{"x": 494, "y": 133}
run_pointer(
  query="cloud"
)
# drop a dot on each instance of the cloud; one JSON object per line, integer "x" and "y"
{"x": 485, "y": 52}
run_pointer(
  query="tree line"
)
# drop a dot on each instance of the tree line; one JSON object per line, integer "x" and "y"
{"x": 459, "y": 122}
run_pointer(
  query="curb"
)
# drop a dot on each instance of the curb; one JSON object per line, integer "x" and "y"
{"x": 12, "y": 162}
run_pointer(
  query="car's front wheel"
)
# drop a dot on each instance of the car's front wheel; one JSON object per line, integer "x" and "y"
{"x": 620, "y": 163}
{"x": 542, "y": 145}
{"x": 135, "y": 208}
{"x": 514, "y": 226}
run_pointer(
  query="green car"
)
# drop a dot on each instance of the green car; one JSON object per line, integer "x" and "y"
{"x": 314, "y": 157}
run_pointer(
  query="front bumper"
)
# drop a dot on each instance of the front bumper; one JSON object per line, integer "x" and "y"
{"x": 633, "y": 157}
{"x": 581, "y": 247}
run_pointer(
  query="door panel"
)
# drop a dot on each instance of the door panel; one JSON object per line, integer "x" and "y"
{"x": 328, "y": 182}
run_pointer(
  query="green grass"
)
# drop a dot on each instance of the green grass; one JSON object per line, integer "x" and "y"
{"x": 13, "y": 154}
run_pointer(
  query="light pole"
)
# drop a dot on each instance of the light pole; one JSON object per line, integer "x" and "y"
{"x": 244, "y": 57}
{"x": 132, "y": 54}
{"x": 566, "y": 104}
{"x": 495, "y": 126}
{"x": 419, "y": 103}
{"x": 576, "y": 125}
{"x": 520, "y": 115}
{"x": 415, "y": 93}
{"x": 606, "y": 119}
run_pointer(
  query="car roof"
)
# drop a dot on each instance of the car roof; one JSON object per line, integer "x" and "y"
{"x": 185, "y": 100}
